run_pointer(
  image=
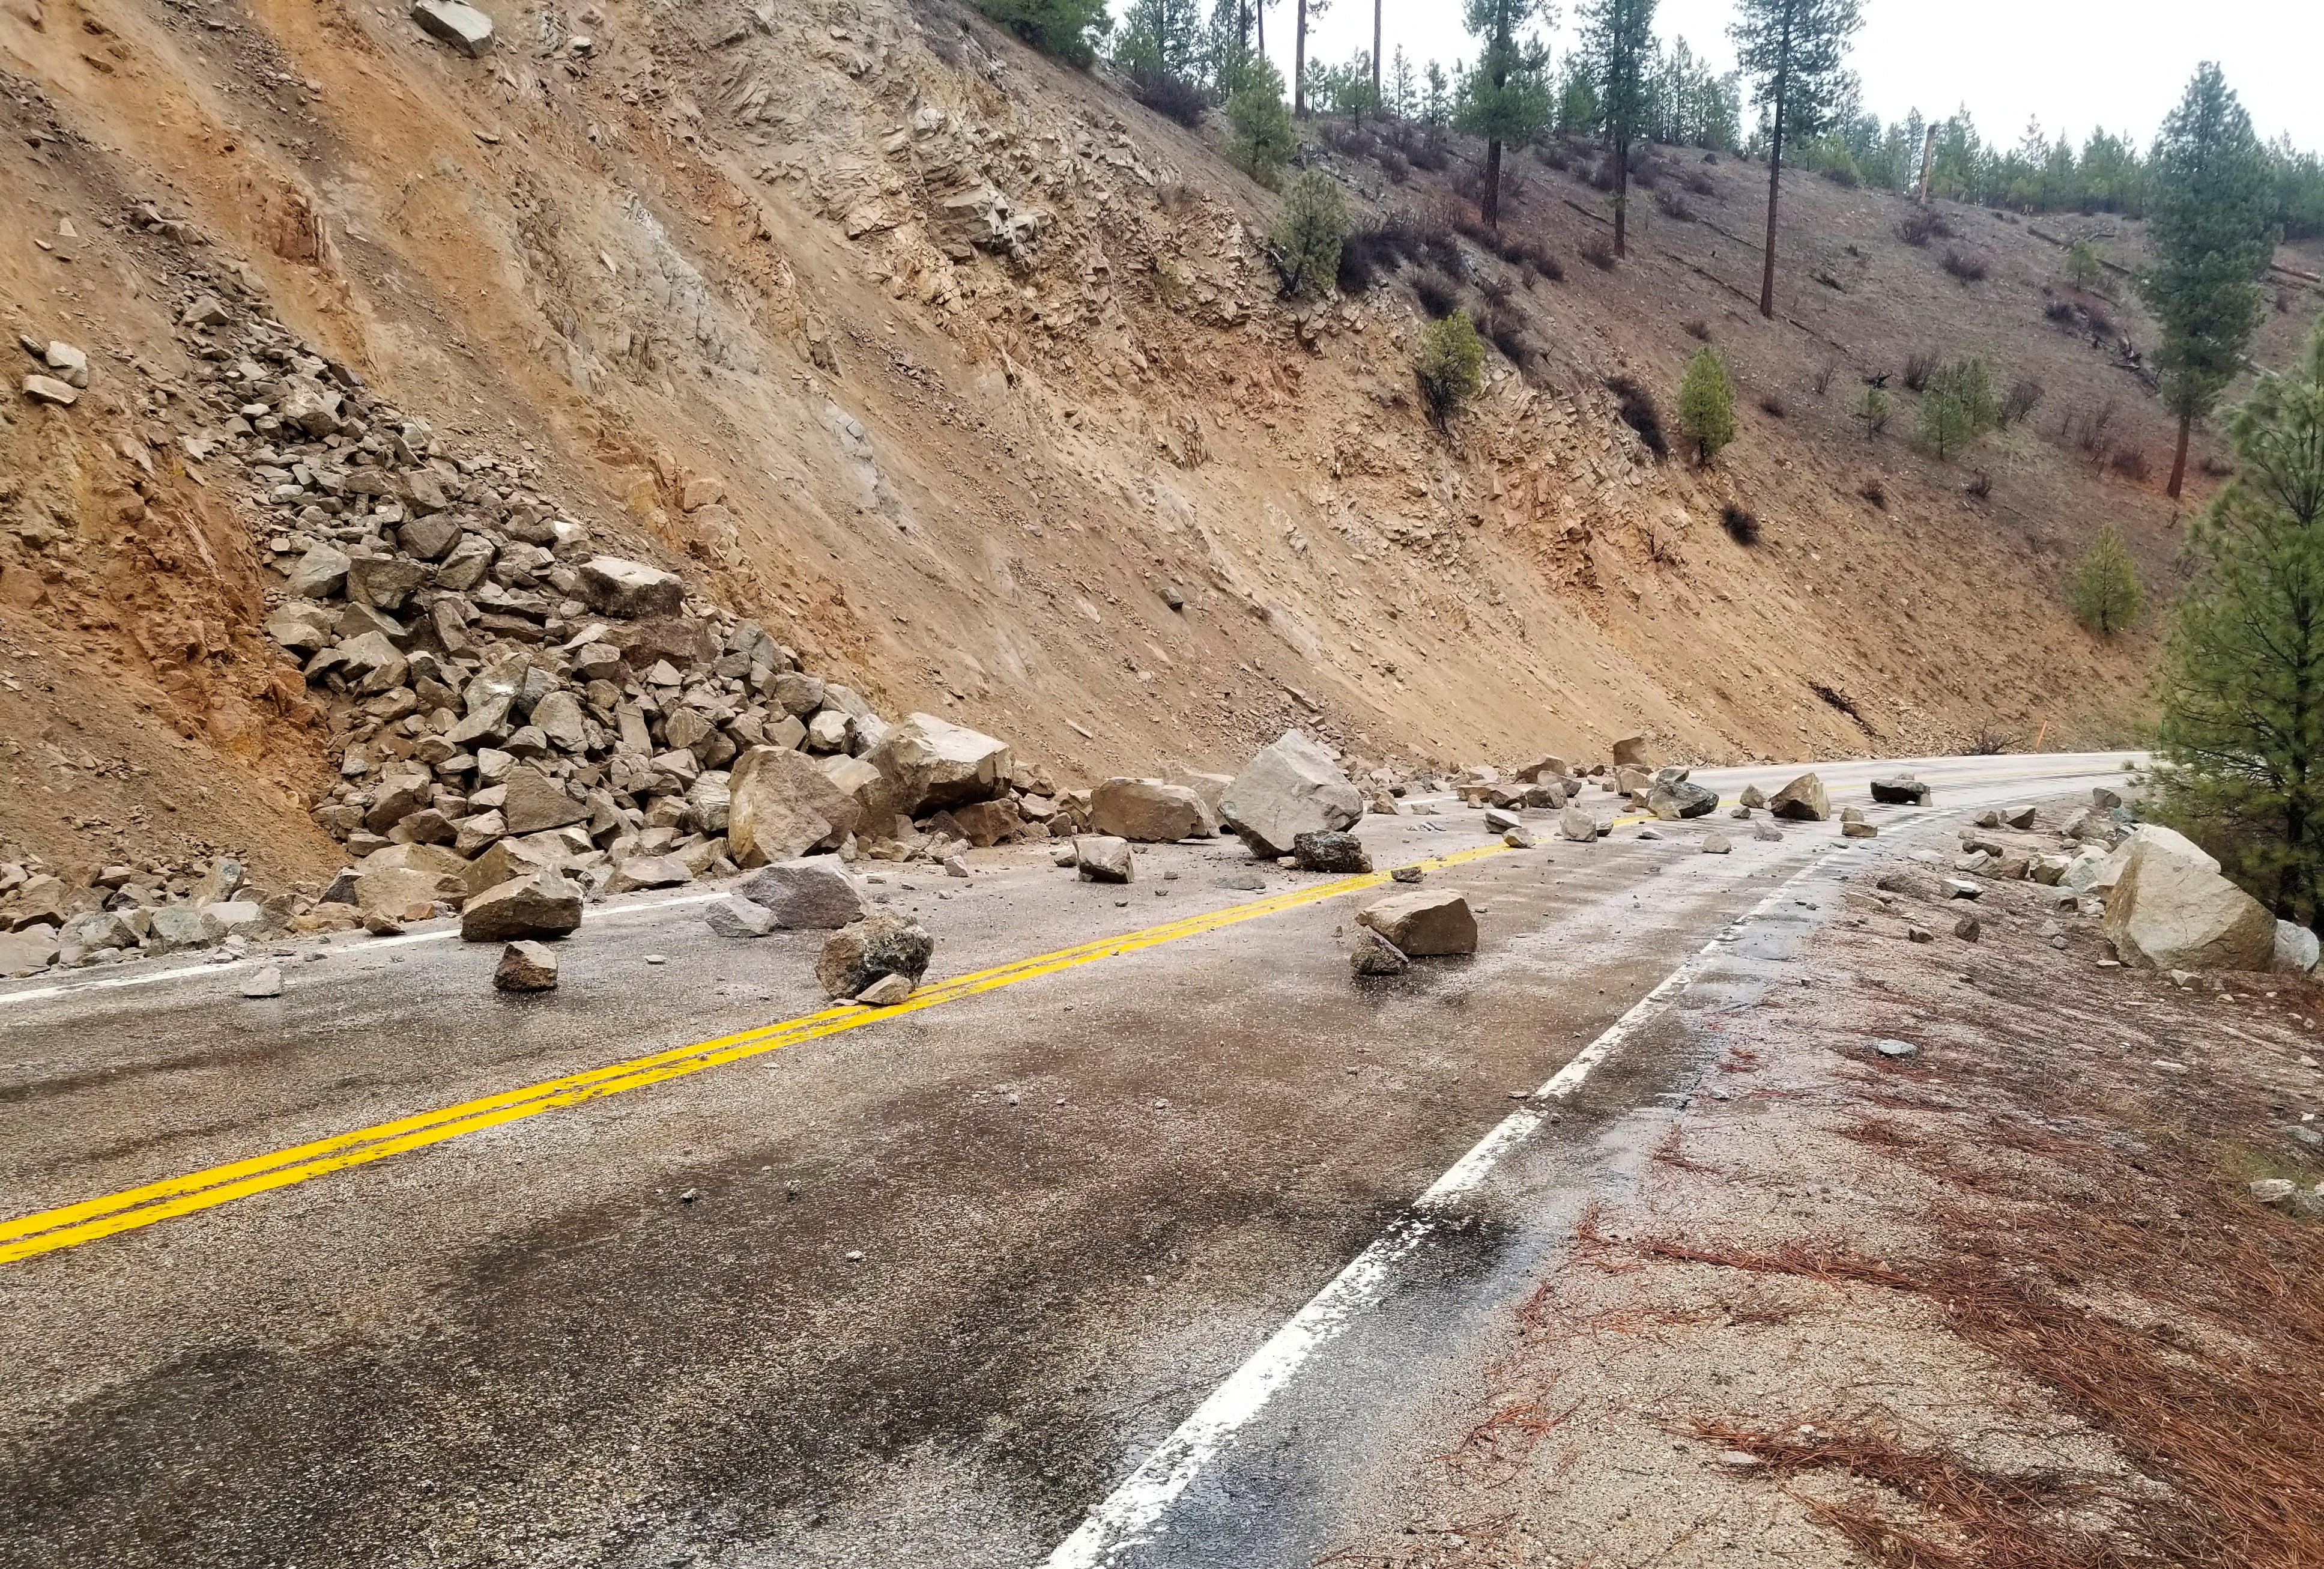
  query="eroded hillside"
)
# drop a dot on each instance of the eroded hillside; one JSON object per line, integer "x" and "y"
{"x": 964, "y": 375}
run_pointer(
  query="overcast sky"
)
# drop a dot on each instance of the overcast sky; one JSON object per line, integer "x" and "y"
{"x": 2074, "y": 63}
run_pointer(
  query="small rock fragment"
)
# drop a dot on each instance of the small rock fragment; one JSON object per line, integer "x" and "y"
{"x": 1373, "y": 955}
{"x": 526, "y": 967}
{"x": 885, "y": 992}
{"x": 1716, "y": 844}
{"x": 1892, "y": 1047}
{"x": 264, "y": 982}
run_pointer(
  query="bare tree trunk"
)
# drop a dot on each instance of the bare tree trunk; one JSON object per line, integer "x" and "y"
{"x": 1492, "y": 214}
{"x": 1260, "y": 8}
{"x": 1774, "y": 175}
{"x": 1622, "y": 197}
{"x": 1299, "y": 65}
{"x": 1928, "y": 161}
{"x": 1379, "y": 103}
{"x": 2179, "y": 460}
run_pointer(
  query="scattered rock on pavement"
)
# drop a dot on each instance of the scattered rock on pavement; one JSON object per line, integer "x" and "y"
{"x": 1146, "y": 812}
{"x": 1423, "y": 924}
{"x": 1500, "y": 821}
{"x": 882, "y": 943}
{"x": 1517, "y": 839}
{"x": 1962, "y": 887}
{"x": 526, "y": 967}
{"x": 885, "y": 992}
{"x": 1577, "y": 825}
{"x": 1373, "y": 955}
{"x": 264, "y": 982}
{"x": 1901, "y": 791}
{"x": 2019, "y": 817}
{"x": 1858, "y": 831}
{"x": 1752, "y": 796}
{"x": 1331, "y": 850}
{"x": 1103, "y": 858}
{"x": 544, "y": 904}
{"x": 2167, "y": 912}
{"x": 1242, "y": 881}
{"x": 1716, "y": 844}
{"x": 1408, "y": 873}
{"x": 1967, "y": 929}
{"x": 1630, "y": 751}
{"x": 739, "y": 917}
{"x": 1676, "y": 798}
{"x": 812, "y": 893}
{"x": 1288, "y": 789}
{"x": 1803, "y": 800}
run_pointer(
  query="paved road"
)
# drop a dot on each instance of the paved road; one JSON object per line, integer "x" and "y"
{"x": 919, "y": 1292}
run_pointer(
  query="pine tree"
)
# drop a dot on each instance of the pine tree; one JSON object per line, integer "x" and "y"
{"x": 1308, "y": 232}
{"x": 1069, "y": 29}
{"x": 2242, "y": 734}
{"x": 2208, "y": 228}
{"x": 2107, "y": 595}
{"x": 1403, "y": 100}
{"x": 1451, "y": 366}
{"x": 1957, "y": 407}
{"x": 1436, "y": 103}
{"x": 1706, "y": 405}
{"x": 1261, "y": 139}
{"x": 1506, "y": 97}
{"x": 1619, "y": 38}
{"x": 1792, "y": 49}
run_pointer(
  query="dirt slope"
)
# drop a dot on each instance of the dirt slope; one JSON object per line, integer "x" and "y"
{"x": 981, "y": 364}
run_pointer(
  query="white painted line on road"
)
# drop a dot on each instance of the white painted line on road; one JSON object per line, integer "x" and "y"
{"x": 1132, "y": 1514}
{"x": 377, "y": 945}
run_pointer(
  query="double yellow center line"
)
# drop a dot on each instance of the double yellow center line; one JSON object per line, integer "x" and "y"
{"x": 28, "y": 1236}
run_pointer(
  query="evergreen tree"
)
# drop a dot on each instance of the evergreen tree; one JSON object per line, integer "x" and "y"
{"x": 1450, "y": 365}
{"x": 1617, "y": 36}
{"x": 2242, "y": 734}
{"x": 2084, "y": 270}
{"x": 1260, "y": 139}
{"x": 1792, "y": 49}
{"x": 1874, "y": 410}
{"x": 1506, "y": 97}
{"x": 2107, "y": 595}
{"x": 1957, "y": 407}
{"x": 1402, "y": 98}
{"x": 1306, "y": 236}
{"x": 1071, "y": 30}
{"x": 2207, "y": 228}
{"x": 1436, "y": 103}
{"x": 1706, "y": 405}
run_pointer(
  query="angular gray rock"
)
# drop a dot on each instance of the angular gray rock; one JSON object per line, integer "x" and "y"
{"x": 1331, "y": 851}
{"x": 643, "y": 872}
{"x": 541, "y": 905}
{"x": 1373, "y": 955}
{"x": 1900, "y": 792}
{"x": 739, "y": 917}
{"x": 457, "y": 24}
{"x": 885, "y": 992}
{"x": 813, "y": 894}
{"x": 1289, "y": 789}
{"x": 1678, "y": 798}
{"x": 1716, "y": 844}
{"x": 320, "y": 574}
{"x": 1103, "y": 858}
{"x": 535, "y": 802}
{"x": 1577, "y": 825}
{"x": 616, "y": 585}
{"x": 2168, "y": 912}
{"x": 1803, "y": 800}
{"x": 526, "y": 967}
{"x": 881, "y": 944}
{"x": 927, "y": 763}
{"x": 2296, "y": 948}
{"x": 1149, "y": 812}
{"x": 264, "y": 981}
{"x": 1423, "y": 924}
{"x": 780, "y": 806}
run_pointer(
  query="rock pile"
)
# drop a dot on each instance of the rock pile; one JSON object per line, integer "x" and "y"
{"x": 49, "y": 919}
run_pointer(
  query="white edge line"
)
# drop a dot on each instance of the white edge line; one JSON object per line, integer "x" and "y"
{"x": 227, "y": 966}
{"x": 1128, "y": 1515}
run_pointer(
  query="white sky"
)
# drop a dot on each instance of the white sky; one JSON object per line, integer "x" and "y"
{"x": 2076, "y": 63}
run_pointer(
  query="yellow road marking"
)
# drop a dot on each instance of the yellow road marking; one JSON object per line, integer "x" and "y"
{"x": 49, "y": 1231}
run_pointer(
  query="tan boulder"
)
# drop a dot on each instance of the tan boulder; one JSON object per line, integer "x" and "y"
{"x": 781, "y": 805}
{"x": 2169, "y": 912}
{"x": 1423, "y": 924}
{"x": 1149, "y": 812}
{"x": 1803, "y": 800}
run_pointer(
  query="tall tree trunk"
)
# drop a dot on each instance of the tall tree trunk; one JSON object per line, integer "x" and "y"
{"x": 1774, "y": 175}
{"x": 1493, "y": 185}
{"x": 1299, "y": 64}
{"x": 2179, "y": 460}
{"x": 1259, "y": 8}
{"x": 1242, "y": 26}
{"x": 1928, "y": 160}
{"x": 1621, "y": 195}
{"x": 1379, "y": 103}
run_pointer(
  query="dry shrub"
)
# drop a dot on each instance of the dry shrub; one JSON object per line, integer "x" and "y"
{"x": 1980, "y": 485}
{"x": 1439, "y": 295}
{"x": 1744, "y": 530}
{"x": 2017, "y": 403}
{"x": 1673, "y": 207}
{"x": 1919, "y": 366}
{"x": 1167, "y": 94}
{"x": 1825, "y": 372}
{"x": 1873, "y": 491}
{"x": 1772, "y": 404}
{"x": 1921, "y": 224}
{"x": 1701, "y": 184}
{"x": 1697, "y": 329}
{"x": 2131, "y": 464}
{"x": 1967, "y": 264}
{"x": 1393, "y": 164}
{"x": 1638, "y": 411}
{"x": 2061, "y": 310}
{"x": 1598, "y": 252}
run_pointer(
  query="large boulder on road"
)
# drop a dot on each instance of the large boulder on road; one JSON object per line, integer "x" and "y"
{"x": 861, "y": 952}
{"x": 780, "y": 806}
{"x": 1678, "y": 798}
{"x": 2168, "y": 912}
{"x": 1423, "y": 924}
{"x": 1289, "y": 789}
{"x": 542, "y": 905}
{"x": 1900, "y": 792}
{"x": 1803, "y": 800}
{"x": 927, "y": 763}
{"x": 814, "y": 893}
{"x": 1149, "y": 812}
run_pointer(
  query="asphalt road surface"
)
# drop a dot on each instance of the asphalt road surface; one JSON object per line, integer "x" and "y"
{"x": 1134, "y": 1244}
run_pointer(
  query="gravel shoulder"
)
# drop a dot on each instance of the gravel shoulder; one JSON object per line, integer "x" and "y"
{"x": 2009, "y": 1299}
